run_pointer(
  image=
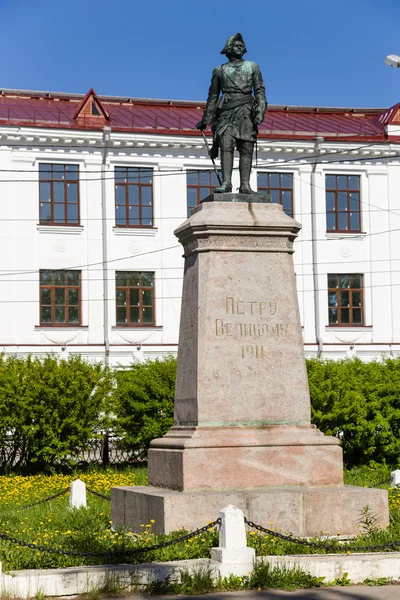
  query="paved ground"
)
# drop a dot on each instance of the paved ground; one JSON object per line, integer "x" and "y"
{"x": 354, "y": 592}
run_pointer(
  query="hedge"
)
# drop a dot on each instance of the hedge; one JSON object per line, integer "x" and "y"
{"x": 50, "y": 409}
{"x": 359, "y": 403}
{"x": 143, "y": 403}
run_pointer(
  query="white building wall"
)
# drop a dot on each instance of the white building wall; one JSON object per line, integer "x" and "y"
{"x": 26, "y": 247}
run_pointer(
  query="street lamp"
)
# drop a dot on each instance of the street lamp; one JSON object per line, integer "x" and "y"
{"x": 393, "y": 60}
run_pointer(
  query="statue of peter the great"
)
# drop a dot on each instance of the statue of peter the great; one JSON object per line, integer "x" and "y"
{"x": 234, "y": 112}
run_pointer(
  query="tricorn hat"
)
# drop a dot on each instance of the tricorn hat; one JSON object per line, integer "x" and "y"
{"x": 234, "y": 38}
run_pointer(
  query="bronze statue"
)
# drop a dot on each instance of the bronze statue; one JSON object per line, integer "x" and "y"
{"x": 234, "y": 112}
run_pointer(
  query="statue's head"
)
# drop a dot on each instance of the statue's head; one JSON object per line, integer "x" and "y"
{"x": 235, "y": 44}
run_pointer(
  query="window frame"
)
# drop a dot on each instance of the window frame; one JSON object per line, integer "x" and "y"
{"x": 350, "y": 306}
{"x": 140, "y": 205}
{"x": 128, "y": 305}
{"x": 51, "y": 179}
{"x": 199, "y": 186}
{"x": 348, "y": 211}
{"x": 280, "y": 189}
{"x": 66, "y": 286}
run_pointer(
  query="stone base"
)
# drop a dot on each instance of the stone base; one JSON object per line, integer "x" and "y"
{"x": 223, "y": 457}
{"x": 237, "y": 197}
{"x": 304, "y": 512}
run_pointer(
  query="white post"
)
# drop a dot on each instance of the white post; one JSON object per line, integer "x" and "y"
{"x": 395, "y": 478}
{"x": 233, "y": 555}
{"x": 77, "y": 496}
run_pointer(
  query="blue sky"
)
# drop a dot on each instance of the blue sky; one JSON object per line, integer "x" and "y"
{"x": 311, "y": 52}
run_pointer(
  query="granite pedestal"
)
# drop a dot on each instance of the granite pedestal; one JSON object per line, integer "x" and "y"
{"x": 242, "y": 433}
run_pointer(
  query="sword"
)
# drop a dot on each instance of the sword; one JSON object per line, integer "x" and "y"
{"x": 209, "y": 154}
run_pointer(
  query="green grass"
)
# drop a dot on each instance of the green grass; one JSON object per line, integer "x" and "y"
{"x": 263, "y": 576}
{"x": 53, "y": 525}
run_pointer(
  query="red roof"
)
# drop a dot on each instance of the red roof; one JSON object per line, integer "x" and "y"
{"x": 42, "y": 109}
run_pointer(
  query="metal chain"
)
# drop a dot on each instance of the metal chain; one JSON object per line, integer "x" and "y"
{"x": 132, "y": 551}
{"x": 45, "y": 499}
{"x": 342, "y": 548}
{"x": 98, "y": 494}
{"x": 380, "y": 483}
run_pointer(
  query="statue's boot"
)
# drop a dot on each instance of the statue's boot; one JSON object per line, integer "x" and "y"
{"x": 226, "y": 166}
{"x": 245, "y": 170}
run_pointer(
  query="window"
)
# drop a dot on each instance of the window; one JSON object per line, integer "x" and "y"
{"x": 345, "y": 300}
{"x": 343, "y": 203}
{"x": 200, "y": 184}
{"x": 135, "y": 298}
{"x": 280, "y": 187}
{"x": 133, "y": 197}
{"x": 60, "y": 298}
{"x": 59, "y": 194}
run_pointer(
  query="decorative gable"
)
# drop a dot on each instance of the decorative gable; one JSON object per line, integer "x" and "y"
{"x": 396, "y": 116}
{"x": 389, "y": 120}
{"x": 91, "y": 110}
{"x": 390, "y": 115}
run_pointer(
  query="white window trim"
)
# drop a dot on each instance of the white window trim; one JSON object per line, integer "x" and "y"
{"x": 57, "y": 229}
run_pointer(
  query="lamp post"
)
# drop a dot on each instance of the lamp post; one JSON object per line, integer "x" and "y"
{"x": 393, "y": 60}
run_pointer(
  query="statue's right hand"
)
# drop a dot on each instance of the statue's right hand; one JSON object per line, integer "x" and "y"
{"x": 201, "y": 125}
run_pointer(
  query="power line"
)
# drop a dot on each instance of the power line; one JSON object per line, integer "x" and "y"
{"x": 180, "y": 171}
{"x": 112, "y": 278}
{"x": 76, "y": 267}
{"x": 133, "y": 228}
{"x": 117, "y": 148}
{"x": 301, "y": 291}
{"x": 101, "y": 262}
{"x": 185, "y": 171}
{"x": 268, "y": 166}
{"x": 336, "y": 152}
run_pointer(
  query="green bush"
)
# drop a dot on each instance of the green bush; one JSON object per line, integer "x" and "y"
{"x": 143, "y": 403}
{"x": 360, "y": 403}
{"x": 49, "y": 409}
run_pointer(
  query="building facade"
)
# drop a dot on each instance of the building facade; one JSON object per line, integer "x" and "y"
{"x": 92, "y": 189}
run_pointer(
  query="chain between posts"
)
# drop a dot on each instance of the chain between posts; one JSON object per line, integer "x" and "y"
{"x": 45, "y": 499}
{"x": 342, "y": 548}
{"x": 380, "y": 483}
{"x": 98, "y": 494}
{"x": 187, "y": 536}
{"x": 133, "y": 551}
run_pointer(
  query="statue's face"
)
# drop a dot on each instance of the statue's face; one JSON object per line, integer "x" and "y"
{"x": 237, "y": 49}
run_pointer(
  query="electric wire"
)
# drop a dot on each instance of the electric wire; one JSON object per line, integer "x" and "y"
{"x": 296, "y": 214}
{"x": 156, "y": 174}
{"x": 300, "y": 291}
{"x": 174, "y": 171}
{"x": 112, "y": 260}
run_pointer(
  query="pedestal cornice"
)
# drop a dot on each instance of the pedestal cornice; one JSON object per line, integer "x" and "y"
{"x": 238, "y": 227}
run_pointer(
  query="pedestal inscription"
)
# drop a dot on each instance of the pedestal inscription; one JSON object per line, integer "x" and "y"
{"x": 234, "y": 325}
